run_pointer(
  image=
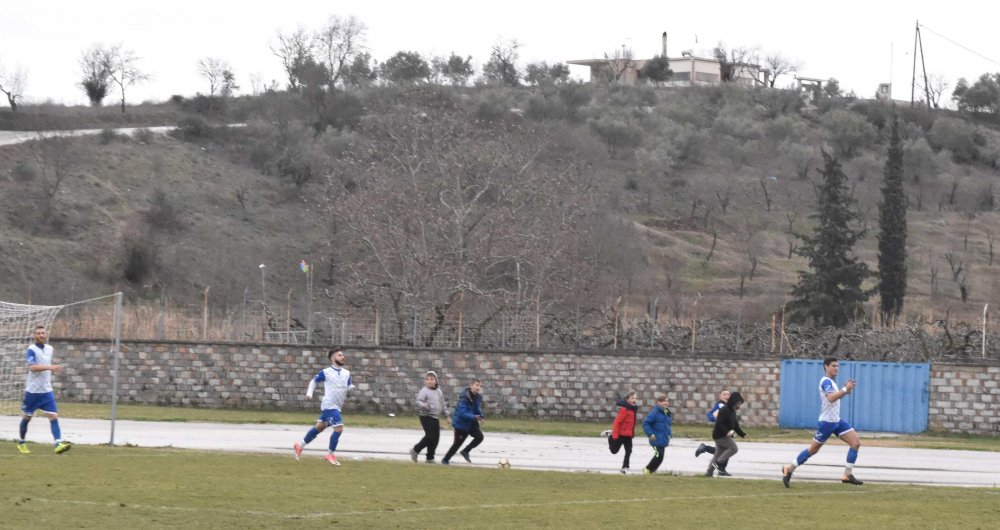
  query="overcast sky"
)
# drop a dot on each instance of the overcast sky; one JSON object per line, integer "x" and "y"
{"x": 857, "y": 42}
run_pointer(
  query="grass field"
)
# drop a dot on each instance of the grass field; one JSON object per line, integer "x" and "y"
{"x": 92, "y": 487}
{"x": 931, "y": 440}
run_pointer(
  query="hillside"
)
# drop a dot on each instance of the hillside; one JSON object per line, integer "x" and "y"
{"x": 483, "y": 200}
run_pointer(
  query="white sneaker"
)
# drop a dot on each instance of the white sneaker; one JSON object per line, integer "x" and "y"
{"x": 606, "y": 433}
{"x": 624, "y": 471}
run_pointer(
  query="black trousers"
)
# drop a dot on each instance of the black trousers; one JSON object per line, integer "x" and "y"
{"x": 622, "y": 441}
{"x": 657, "y": 459}
{"x": 432, "y": 435}
{"x": 477, "y": 438}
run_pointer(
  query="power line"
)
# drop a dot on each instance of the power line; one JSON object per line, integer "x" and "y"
{"x": 966, "y": 48}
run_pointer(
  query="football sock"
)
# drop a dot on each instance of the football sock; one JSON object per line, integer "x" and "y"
{"x": 852, "y": 457}
{"x": 803, "y": 456}
{"x": 24, "y": 428}
{"x": 56, "y": 432}
{"x": 334, "y": 439}
{"x": 310, "y": 436}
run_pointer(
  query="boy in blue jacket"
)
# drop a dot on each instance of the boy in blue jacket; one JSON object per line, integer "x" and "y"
{"x": 466, "y": 419}
{"x": 657, "y": 428}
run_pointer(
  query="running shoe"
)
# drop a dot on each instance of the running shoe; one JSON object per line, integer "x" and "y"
{"x": 23, "y": 448}
{"x": 786, "y": 476}
{"x": 465, "y": 455}
{"x": 62, "y": 447}
{"x": 298, "y": 450}
{"x": 413, "y": 455}
{"x": 849, "y": 479}
{"x": 701, "y": 449}
{"x": 332, "y": 459}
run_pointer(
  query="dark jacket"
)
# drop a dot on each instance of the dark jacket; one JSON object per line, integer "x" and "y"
{"x": 625, "y": 421}
{"x": 728, "y": 420}
{"x": 468, "y": 408}
{"x": 658, "y": 422}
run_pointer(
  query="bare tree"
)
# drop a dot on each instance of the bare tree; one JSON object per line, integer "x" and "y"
{"x": 12, "y": 84}
{"x": 52, "y": 156}
{"x": 294, "y": 49}
{"x": 125, "y": 70}
{"x": 437, "y": 210}
{"x": 95, "y": 66}
{"x": 502, "y": 67}
{"x": 213, "y": 69}
{"x": 619, "y": 62}
{"x": 935, "y": 87}
{"x": 337, "y": 43}
{"x": 779, "y": 65}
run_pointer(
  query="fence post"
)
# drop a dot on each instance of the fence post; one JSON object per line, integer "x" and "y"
{"x": 413, "y": 341}
{"x": 460, "y": 329}
{"x": 503, "y": 331}
{"x": 694, "y": 324}
{"x": 618, "y": 304}
{"x": 204, "y": 315}
{"x": 243, "y": 332}
{"x": 538, "y": 321}
{"x": 288, "y": 313}
{"x": 985, "y": 307}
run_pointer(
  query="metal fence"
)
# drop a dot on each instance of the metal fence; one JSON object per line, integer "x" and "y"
{"x": 527, "y": 330}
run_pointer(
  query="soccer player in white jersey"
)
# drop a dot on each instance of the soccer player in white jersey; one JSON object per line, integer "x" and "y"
{"x": 38, "y": 394}
{"x": 336, "y": 382}
{"x": 830, "y": 423}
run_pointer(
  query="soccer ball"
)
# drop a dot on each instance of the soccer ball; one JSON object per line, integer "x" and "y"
{"x": 503, "y": 463}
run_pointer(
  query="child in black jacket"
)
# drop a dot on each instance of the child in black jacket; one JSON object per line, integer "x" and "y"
{"x": 727, "y": 425}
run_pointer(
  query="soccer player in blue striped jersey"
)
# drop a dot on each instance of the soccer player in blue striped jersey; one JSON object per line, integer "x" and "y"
{"x": 38, "y": 394}
{"x": 829, "y": 424}
{"x": 336, "y": 383}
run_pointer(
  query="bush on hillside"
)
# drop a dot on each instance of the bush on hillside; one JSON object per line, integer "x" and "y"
{"x": 492, "y": 105}
{"x": 849, "y": 132}
{"x": 193, "y": 128}
{"x": 139, "y": 256}
{"x": 163, "y": 214}
{"x": 23, "y": 171}
{"x": 144, "y": 136}
{"x": 919, "y": 162}
{"x": 957, "y": 136}
{"x": 618, "y": 131}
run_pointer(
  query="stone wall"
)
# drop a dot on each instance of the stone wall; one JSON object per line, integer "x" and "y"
{"x": 965, "y": 398}
{"x": 570, "y": 385}
{"x": 580, "y": 385}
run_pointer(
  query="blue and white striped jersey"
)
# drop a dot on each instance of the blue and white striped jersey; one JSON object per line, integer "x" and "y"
{"x": 336, "y": 383}
{"x": 39, "y": 382}
{"x": 829, "y": 410}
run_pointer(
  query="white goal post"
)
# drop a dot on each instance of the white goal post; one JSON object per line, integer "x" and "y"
{"x": 17, "y": 325}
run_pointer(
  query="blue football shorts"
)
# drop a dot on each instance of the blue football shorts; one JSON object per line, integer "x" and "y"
{"x": 331, "y": 417}
{"x": 46, "y": 401}
{"x": 826, "y": 428}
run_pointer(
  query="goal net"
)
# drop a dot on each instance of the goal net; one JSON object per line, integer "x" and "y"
{"x": 17, "y": 324}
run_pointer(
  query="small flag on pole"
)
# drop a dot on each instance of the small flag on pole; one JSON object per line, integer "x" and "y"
{"x": 303, "y": 266}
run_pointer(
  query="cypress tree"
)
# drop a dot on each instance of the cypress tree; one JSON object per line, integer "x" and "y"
{"x": 892, "y": 231}
{"x": 830, "y": 293}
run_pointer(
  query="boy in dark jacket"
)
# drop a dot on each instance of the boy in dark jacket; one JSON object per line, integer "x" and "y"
{"x": 711, "y": 415}
{"x": 657, "y": 428}
{"x": 624, "y": 427}
{"x": 727, "y": 425}
{"x": 466, "y": 419}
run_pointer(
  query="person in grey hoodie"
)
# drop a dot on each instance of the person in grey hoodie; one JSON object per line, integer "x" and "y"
{"x": 432, "y": 407}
